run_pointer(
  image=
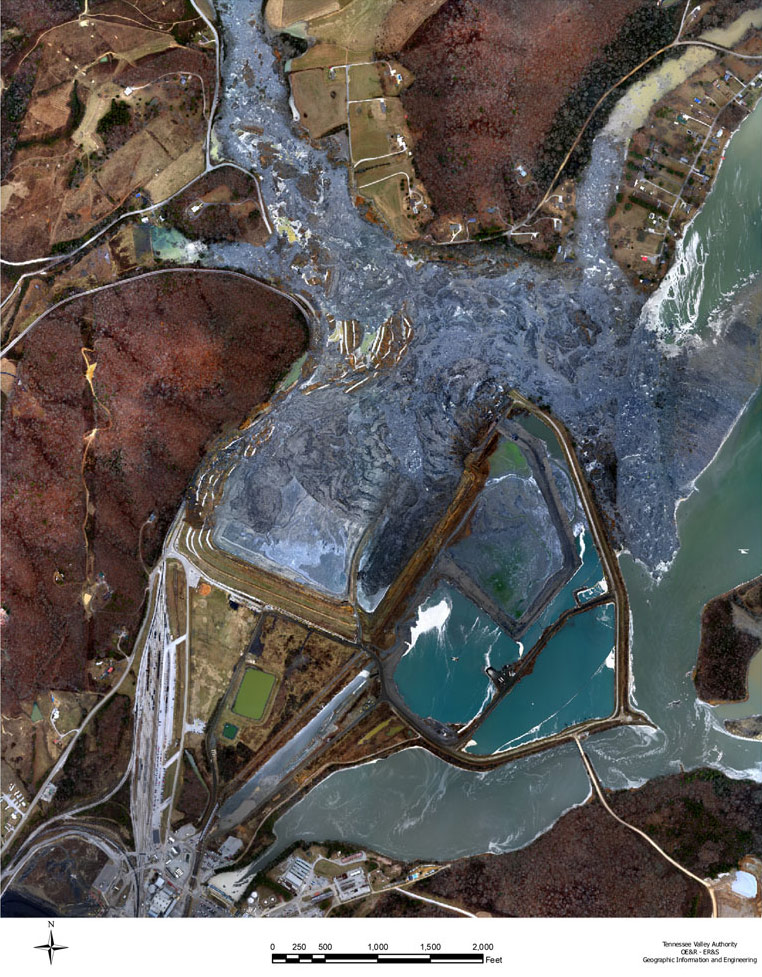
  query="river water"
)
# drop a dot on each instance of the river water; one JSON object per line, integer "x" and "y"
{"x": 414, "y": 805}
{"x": 573, "y": 680}
{"x": 722, "y": 248}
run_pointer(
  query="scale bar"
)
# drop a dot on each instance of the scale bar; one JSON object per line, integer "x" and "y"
{"x": 378, "y": 958}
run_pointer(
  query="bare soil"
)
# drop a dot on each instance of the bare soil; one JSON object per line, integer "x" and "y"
{"x": 181, "y": 357}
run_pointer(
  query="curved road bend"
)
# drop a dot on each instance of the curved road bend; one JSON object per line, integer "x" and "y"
{"x": 65, "y": 755}
{"x": 299, "y": 301}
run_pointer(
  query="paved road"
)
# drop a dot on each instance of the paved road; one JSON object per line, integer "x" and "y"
{"x": 8, "y": 841}
{"x": 681, "y": 868}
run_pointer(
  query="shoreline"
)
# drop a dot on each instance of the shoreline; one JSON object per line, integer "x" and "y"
{"x": 492, "y": 849}
{"x": 691, "y": 486}
{"x": 652, "y": 305}
{"x": 726, "y": 36}
{"x": 661, "y": 569}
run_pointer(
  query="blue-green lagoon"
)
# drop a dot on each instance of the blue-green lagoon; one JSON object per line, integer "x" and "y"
{"x": 451, "y": 643}
{"x": 573, "y": 680}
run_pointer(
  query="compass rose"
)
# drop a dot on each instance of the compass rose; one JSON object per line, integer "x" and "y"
{"x": 51, "y": 946}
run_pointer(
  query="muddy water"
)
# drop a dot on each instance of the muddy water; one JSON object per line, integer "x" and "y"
{"x": 415, "y": 806}
{"x": 632, "y": 109}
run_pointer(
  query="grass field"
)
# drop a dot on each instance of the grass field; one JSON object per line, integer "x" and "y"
{"x": 219, "y": 635}
{"x": 354, "y": 27}
{"x": 366, "y": 81}
{"x": 389, "y": 197}
{"x": 372, "y": 127}
{"x": 253, "y": 694}
{"x": 329, "y": 870}
{"x": 321, "y": 101}
{"x": 286, "y": 671}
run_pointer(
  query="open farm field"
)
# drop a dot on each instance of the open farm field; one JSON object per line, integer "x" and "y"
{"x": 320, "y": 99}
{"x": 373, "y": 129}
{"x": 220, "y": 635}
{"x": 387, "y": 188}
{"x": 352, "y": 25}
{"x": 343, "y": 81}
{"x": 103, "y": 110}
{"x": 172, "y": 365}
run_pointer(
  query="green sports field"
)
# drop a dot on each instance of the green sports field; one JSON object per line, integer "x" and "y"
{"x": 253, "y": 693}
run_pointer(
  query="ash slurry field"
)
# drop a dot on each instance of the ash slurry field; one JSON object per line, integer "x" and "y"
{"x": 413, "y": 805}
{"x": 647, "y": 416}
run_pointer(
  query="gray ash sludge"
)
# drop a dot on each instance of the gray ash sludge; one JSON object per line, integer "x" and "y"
{"x": 391, "y": 452}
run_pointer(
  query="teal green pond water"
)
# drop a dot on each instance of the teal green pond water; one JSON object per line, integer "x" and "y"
{"x": 540, "y": 430}
{"x": 507, "y": 459}
{"x": 168, "y": 243}
{"x": 588, "y": 576}
{"x": 572, "y": 680}
{"x": 452, "y": 642}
